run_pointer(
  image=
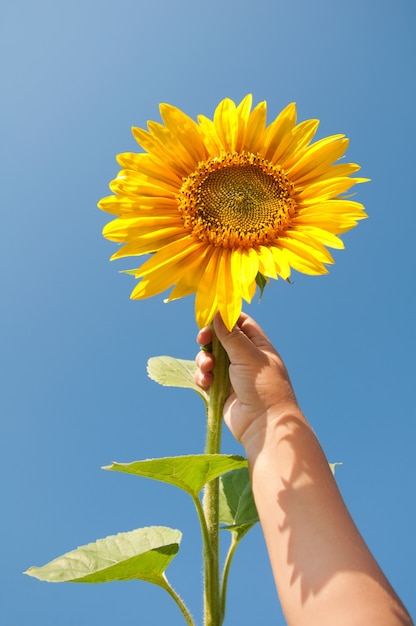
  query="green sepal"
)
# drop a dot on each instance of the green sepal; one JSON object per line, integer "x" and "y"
{"x": 141, "y": 554}
{"x": 237, "y": 508}
{"x": 189, "y": 473}
{"x": 261, "y": 282}
{"x": 171, "y": 372}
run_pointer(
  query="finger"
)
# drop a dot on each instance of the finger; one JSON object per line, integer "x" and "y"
{"x": 242, "y": 342}
{"x": 204, "y": 336}
{"x": 253, "y": 331}
{"x": 205, "y": 362}
{"x": 203, "y": 380}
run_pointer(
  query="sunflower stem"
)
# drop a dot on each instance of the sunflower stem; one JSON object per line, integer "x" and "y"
{"x": 218, "y": 394}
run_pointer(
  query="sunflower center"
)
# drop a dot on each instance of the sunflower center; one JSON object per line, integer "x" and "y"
{"x": 237, "y": 200}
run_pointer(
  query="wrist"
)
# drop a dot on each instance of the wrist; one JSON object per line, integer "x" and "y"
{"x": 264, "y": 433}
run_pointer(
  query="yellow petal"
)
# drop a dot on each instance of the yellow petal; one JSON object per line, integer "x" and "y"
{"x": 267, "y": 265}
{"x": 277, "y": 130}
{"x": 309, "y": 246}
{"x": 243, "y": 112}
{"x": 281, "y": 262}
{"x": 195, "y": 269}
{"x": 244, "y": 268}
{"x": 153, "y": 146}
{"x": 336, "y": 207}
{"x": 229, "y": 296}
{"x": 134, "y": 227}
{"x": 165, "y": 271}
{"x": 206, "y": 300}
{"x": 327, "y": 238}
{"x": 325, "y": 190}
{"x": 244, "y": 107}
{"x": 169, "y": 255}
{"x": 150, "y": 167}
{"x": 300, "y": 257}
{"x": 135, "y": 191}
{"x": 212, "y": 141}
{"x": 184, "y": 130}
{"x": 173, "y": 146}
{"x": 336, "y": 224}
{"x": 149, "y": 243}
{"x": 339, "y": 170}
{"x": 290, "y": 148}
{"x": 226, "y": 124}
{"x": 317, "y": 159}
{"x": 138, "y": 184}
{"x": 255, "y": 128}
{"x": 116, "y": 206}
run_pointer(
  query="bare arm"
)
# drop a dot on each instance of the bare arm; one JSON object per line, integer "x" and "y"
{"x": 324, "y": 572}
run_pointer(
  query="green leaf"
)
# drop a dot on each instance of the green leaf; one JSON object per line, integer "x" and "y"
{"x": 238, "y": 512}
{"x": 171, "y": 372}
{"x": 237, "y": 509}
{"x": 333, "y": 466}
{"x": 189, "y": 473}
{"x": 142, "y": 554}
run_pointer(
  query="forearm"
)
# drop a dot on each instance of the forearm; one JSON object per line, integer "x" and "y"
{"x": 323, "y": 570}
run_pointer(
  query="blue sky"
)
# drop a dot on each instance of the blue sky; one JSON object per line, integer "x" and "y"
{"x": 75, "y": 394}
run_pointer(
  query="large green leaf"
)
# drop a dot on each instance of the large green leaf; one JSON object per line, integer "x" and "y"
{"x": 238, "y": 513}
{"x": 171, "y": 372}
{"x": 189, "y": 473}
{"x": 142, "y": 554}
{"x": 237, "y": 509}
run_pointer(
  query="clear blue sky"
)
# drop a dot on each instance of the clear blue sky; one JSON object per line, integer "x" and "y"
{"x": 74, "y": 390}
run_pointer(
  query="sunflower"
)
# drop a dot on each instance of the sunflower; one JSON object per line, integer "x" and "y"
{"x": 225, "y": 204}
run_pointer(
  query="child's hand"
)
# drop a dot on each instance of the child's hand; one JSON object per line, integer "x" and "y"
{"x": 261, "y": 387}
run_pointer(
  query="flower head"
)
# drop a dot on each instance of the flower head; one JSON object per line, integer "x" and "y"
{"x": 222, "y": 203}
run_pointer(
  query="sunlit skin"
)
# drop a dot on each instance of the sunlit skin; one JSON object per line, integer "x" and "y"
{"x": 324, "y": 571}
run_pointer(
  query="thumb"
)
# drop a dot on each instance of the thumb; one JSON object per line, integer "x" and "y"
{"x": 238, "y": 345}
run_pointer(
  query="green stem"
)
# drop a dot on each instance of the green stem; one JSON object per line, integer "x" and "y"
{"x": 226, "y": 571}
{"x": 203, "y": 524}
{"x": 181, "y": 604}
{"x": 218, "y": 394}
